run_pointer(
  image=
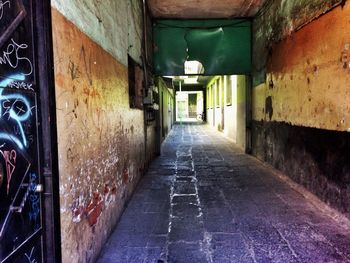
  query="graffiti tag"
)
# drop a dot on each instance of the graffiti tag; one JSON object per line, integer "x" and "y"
{"x": 2, "y": 7}
{"x": 10, "y": 163}
{"x": 15, "y": 107}
{"x": 30, "y": 257}
{"x": 11, "y": 57}
{"x": 34, "y": 200}
{"x": 21, "y": 85}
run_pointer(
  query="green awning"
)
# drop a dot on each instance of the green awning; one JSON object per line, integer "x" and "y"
{"x": 222, "y": 46}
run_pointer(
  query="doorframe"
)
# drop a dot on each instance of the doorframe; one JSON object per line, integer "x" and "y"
{"x": 47, "y": 132}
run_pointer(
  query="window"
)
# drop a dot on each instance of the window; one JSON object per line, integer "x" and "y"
{"x": 135, "y": 73}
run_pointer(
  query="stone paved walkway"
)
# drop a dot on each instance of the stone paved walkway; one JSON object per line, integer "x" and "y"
{"x": 204, "y": 200}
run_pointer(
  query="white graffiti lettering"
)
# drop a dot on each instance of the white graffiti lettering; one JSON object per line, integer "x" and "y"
{"x": 21, "y": 85}
{"x": 30, "y": 257}
{"x": 11, "y": 57}
{"x": 2, "y": 7}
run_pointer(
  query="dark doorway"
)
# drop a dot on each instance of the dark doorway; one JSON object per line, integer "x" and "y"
{"x": 192, "y": 105}
{"x": 27, "y": 198}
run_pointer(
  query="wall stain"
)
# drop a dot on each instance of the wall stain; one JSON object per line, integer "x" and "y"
{"x": 269, "y": 107}
{"x": 314, "y": 158}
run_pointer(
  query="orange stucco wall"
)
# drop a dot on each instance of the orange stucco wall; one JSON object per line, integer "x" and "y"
{"x": 100, "y": 140}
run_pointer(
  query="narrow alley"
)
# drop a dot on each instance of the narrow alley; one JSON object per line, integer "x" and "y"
{"x": 204, "y": 200}
{"x": 174, "y": 131}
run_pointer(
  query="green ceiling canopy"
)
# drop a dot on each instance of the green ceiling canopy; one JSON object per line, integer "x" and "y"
{"x": 222, "y": 46}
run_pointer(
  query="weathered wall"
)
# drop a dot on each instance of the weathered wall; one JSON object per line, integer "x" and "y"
{"x": 114, "y": 24}
{"x": 301, "y": 113}
{"x": 134, "y": 19}
{"x": 277, "y": 20}
{"x": 100, "y": 139}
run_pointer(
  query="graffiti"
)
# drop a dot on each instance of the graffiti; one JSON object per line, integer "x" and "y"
{"x": 15, "y": 107}
{"x": 73, "y": 70}
{"x": 2, "y": 7}
{"x": 20, "y": 217}
{"x": 9, "y": 137}
{"x": 8, "y": 81}
{"x": 87, "y": 64}
{"x": 34, "y": 200}
{"x": 10, "y": 164}
{"x": 21, "y": 85}
{"x": 11, "y": 57}
{"x": 2, "y": 175}
{"x": 30, "y": 257}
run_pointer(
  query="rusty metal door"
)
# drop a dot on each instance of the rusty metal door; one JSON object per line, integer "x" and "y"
{"x": 21, "y": 186}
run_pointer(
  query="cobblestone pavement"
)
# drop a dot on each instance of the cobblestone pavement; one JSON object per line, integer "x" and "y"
{"x": 204, "y": 200}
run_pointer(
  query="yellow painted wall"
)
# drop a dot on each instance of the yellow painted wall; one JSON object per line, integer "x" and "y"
{"x": 229, "y": 118}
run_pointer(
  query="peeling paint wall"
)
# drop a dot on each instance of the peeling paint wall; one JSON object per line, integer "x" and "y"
{"x": 277, "y": 20}
{"x": 301, "y": 95}
{"x": 101, "y": 140}
{"x": 135, "y": 29}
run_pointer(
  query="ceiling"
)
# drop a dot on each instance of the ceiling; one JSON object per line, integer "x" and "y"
{"x": 204, "y": 9}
